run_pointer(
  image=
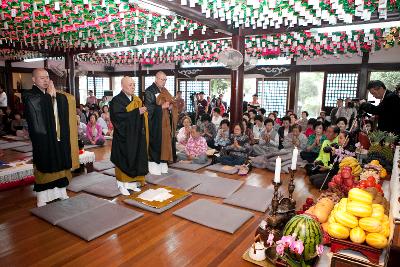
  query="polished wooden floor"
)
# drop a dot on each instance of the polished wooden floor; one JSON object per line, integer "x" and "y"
{"x": 153, "y": 240}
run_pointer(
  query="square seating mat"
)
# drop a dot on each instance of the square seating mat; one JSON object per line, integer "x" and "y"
{"x": 79, "y": 183}
{"x": 106, "y": 188}
{"x": 103, "y": 165}
{"x": 179, "y": 180}
{"x": 190, "y": 166}
{"x": 98, "y": 221}
{"x": 223, "y": 168}
{"x": 217, "y": 187}
{"x": 251, "y": 197}
{"x": 90, "y": 146}
{"x": 213, "y": 215}
{"x": 23, "y": 149}
{"x": 12, "y": 145}
{"x": 110, "y": 172}
{"x": 65, "y": 209}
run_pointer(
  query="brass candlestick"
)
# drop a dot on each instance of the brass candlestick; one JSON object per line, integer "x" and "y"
{"x": 291, "y": 188}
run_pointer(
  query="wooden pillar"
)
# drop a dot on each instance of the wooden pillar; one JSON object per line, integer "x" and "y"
{"x": 177, "y": 67}
{"x": 70, "y": 66}
{"x": 9, "y": 84}
{"x": 141, "y": 82}
{"x": 236, "y": 107}
{"x": 292, "y": 99}
{"x": 363, "y": 80}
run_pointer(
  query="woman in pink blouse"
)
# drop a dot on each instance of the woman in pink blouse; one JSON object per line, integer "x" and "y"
{"x": 94, "y": 132}
{"x": 196, "y": 148}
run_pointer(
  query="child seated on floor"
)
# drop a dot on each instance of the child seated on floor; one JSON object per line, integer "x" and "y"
{"x": 184, "y": 133}
{"x": 196, "y": 148}
{"x": 222, "y": 138}
{"x": 237, "y": 152}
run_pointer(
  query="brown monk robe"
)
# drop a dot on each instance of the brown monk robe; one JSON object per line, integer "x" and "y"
{"x": 169, "y": 122}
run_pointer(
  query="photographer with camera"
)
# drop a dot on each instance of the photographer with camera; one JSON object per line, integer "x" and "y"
{"x": 388, "y": 108}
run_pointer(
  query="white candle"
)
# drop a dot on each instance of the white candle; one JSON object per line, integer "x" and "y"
{"x": 294, "y": 158}
{"x": 278, "y": 163}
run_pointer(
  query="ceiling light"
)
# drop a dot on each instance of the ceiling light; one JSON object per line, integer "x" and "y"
{"x": 114, "y": 50}
{"x": 34, "y": 59}
{"x": 157, "y": 45}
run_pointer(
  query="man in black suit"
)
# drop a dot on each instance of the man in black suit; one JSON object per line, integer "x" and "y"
{"x": 388, "y": 108}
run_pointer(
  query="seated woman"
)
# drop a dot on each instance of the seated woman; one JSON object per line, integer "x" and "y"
{"x": 295, "y": 139}
{"x": 222, "y": 138}
{"x": 258, "y": 127}
{"x": 196, "y": 148}
{"x": 314, "y": 143}
{"x": 237, "y": 152}
{"x": 94, "y": 132}
{"x": 325, "y": 174}
{"x": 208, "y": 130}
{"x": 284, "y": 130}
{"x": 184, "y": 133}
{"x": 269, "y": 139}
{"x": 247, "y": 131}
{"x": 341, "y": 122}
{"x": 310, "y": 127}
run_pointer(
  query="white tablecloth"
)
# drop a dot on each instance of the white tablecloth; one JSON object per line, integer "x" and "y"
{"x": 16, "y": 172}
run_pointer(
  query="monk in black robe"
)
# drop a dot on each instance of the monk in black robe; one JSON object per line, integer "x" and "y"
{"x": 130, "y": 138}
{"x": 51, "y": 117}
{"x": 156, "y": 108}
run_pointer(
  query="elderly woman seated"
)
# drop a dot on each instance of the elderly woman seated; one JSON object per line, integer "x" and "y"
{"x": 237, "y": 152}
{"x": 94, "y": 132}
{"x": 184, "y": 133}
{"x": 195, "y": 149}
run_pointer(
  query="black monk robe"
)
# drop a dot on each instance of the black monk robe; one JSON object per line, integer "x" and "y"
{"x": 129, "y": 147}
{"x": 52, "y": 157}
{"x": 155, "y": 122}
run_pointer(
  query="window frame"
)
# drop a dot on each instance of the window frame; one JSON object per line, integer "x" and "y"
{"x": 288, "y": 79}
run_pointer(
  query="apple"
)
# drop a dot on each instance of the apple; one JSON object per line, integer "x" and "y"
{"x": 337, "y": 179}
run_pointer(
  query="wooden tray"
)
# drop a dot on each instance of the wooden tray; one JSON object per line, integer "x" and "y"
{"x": 264, "y": 263}
{"x": 371, "y": 253}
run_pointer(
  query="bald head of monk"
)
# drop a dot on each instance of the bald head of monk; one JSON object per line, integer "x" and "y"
{"x": 128, "y": 85}
{"x": 161, "y": 79}
{"x": 40, "y": 78}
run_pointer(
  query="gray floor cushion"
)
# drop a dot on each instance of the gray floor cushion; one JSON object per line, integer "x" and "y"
{"x": 251, "y": 197}
{"x": 218, "y": 187}
{"x": 12, "y": 145}
{"x": 223, "y": 168}
{"x": 152, "y": 209}
{"x": 110, "y": 172}
{"x": 213, "y": 215}
{"x": 3, "y": 142}
{"x": 184, "y": 182}
{"x": 78, "y": 183}
{"x": 103, "y": 165}
{"x": 65, "y": 209}
{"x": 23, "y": 149}
{"x": 99, "y": 221}
{"x": 190, "y": 166}
{"x": 106, "y": 188}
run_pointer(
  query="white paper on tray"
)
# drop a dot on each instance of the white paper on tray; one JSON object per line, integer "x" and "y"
{"x": 159, "y": 194}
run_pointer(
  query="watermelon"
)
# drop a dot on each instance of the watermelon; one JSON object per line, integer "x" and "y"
{"x": 303, "y": 227}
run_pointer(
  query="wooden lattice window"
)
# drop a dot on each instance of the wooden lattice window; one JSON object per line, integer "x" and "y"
{"x": 340, "y": 85}
{"x": 272, "y": 94}
{"x": 189, "y": 87}
{"x": 170, "y": 84}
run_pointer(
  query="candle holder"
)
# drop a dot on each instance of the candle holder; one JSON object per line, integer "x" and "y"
{"x": 291, "y": 188}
